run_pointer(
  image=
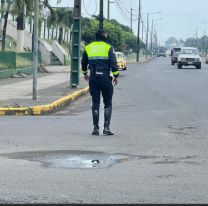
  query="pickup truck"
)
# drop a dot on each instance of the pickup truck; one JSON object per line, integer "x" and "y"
{"x": 189, "y": 57}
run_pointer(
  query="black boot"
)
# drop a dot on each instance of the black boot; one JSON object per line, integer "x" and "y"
{"x": 95, "y": 116}
{"x": 107, "y": 118}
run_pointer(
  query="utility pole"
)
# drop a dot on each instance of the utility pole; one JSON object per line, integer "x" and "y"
{"x": 138, "y": 34}
{"x": 101, "y": 15}
{"x": 76, "y": 38}
{"x": 35, "y": 49}
{"x": 156, "y": 43}
{"x": 109, "y": 2}
{"x": 142, "y": 30}
{"x": 108, "y": 10}
{"x": 131, "y": 18}
{"x": 147, "y": 34}
{"x": 196, "y": 38}
{"x": 152, "y": 38}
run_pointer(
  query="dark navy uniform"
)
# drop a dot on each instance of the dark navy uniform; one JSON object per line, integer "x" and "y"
{"x": 100, "y": 59}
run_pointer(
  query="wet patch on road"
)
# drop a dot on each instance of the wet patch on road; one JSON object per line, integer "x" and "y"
{"x": 167, "y": 176}
{"x": 182, "y": 129}
{"x": 143, "y": 157}
{"x": 71, "y": 159}
{"x": 175, "y": 160}
{"x": 166, "y": 161}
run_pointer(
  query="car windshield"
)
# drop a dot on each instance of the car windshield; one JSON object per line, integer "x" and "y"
{"x": 176, "y": 49}
{"x": 190, "y": 51}
{"x": 161, "y": 50}
{"x": 176, "y": 53}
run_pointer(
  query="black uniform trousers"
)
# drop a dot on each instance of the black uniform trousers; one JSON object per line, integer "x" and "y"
{"x": 100, "y": 86}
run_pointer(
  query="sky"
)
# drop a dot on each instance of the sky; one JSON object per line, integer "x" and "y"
{"x": 178, "y": 18}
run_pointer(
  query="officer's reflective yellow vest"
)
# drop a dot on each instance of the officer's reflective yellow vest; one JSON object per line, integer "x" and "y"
{"x": 97, "y": 50}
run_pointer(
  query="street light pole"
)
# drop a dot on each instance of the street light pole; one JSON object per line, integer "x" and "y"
{"x": 35, "y": 49}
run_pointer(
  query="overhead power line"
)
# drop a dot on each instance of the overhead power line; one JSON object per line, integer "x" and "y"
{"x": 94, "y": 13}
{"x": 124, "y": 6}
{"x": 125, "y": 16}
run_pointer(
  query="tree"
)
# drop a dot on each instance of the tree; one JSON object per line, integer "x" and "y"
{"x": 172, "y": 42}
{"x": 120, "y": 36}
{"x": 89, "y": 28}
{"x": 191, "y": 42}
{"x": 19, "y": 8}
{"x": 5, "y": 25}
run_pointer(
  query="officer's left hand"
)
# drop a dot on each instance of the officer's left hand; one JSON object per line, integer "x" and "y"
{"x": 86, "y": 77}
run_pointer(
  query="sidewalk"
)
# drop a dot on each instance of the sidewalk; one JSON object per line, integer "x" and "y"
{"x": 54, "y": 92}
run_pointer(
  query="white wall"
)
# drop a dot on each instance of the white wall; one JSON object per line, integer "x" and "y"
{"x": 45, "y": 50}
{"x": 59, "y": 51}
{"x": 12, "y": 32}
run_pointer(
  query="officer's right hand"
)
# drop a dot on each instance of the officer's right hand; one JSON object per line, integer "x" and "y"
{"x": 115, "y": 81}
{"x": 86, "y": 77}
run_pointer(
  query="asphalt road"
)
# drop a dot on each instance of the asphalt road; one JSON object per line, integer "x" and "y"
{"x": 160, "y": 120}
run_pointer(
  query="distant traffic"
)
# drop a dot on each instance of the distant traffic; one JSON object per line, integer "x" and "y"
{"x": 183, "y": 56}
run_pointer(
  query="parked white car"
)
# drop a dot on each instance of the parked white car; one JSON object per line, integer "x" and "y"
{"x": 189, "y": 56}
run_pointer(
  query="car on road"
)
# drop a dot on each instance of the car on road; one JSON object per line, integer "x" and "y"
{"x": 121, "y": 60}
{"x": 189, "y": 57}
{"x": 161, "y": 51}
{"x": 206, "y": 59}
{"x": 175, "y": 51}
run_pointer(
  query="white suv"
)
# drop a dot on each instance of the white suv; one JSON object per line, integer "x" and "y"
{"x": 189, "y": 56}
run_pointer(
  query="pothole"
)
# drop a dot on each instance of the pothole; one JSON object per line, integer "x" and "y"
{"x": 71, "y": 159}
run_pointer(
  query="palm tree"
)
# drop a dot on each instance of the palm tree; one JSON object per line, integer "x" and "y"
{"x": 68, "y": 20}
{"x": 5, "y": 24}
{"x": 19, "y": 10}
{"x": 2, "y": 8}
{"x": 19, "y": 7}
{"x": 50, "y": 23}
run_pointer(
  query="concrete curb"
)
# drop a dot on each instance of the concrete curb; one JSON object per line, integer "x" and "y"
{"x": 44, "y": 109}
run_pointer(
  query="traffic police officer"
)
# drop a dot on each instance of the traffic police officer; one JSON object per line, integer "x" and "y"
{"x": 100, "y": 59}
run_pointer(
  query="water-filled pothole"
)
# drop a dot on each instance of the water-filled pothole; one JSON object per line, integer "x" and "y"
{"x": 71, "y": 158}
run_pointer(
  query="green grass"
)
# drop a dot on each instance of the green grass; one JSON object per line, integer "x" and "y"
{"x": 4, "y": 66}
{"x": 23, "y": 62}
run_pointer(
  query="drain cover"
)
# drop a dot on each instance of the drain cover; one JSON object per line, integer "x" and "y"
{"x": 71, "y": 159}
